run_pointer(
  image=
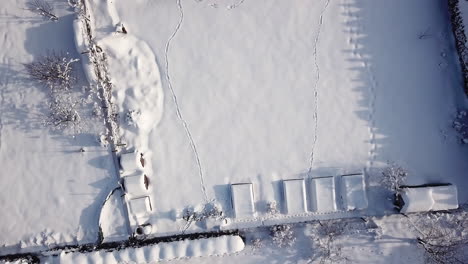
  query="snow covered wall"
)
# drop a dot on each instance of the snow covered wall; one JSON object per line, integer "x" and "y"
{"x": 160, "y": 252}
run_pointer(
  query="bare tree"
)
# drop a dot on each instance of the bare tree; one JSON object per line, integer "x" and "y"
{"x": 283, "y": 235}
{"x": 63, "y": 113}
{"x": 325, "y": 236}
{"x": 393, "y": 177}
{"x": 54, "y": 70}
{"x": 324, "y": 240}
{"x": 443, "y": 236}
{"x": 43, "y": 8}
{"x": 272, "y": 208}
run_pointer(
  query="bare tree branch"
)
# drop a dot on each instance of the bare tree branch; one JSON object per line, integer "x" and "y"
{"x": 43, "y": 8}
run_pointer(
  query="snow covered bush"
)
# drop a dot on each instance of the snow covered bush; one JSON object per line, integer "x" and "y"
{"x": 43, "y": 8}
{"x": 393, "y": 177}
{"x": 55, "y": 70}
{"x": 209, "y": 210}
{"x": 272, "y": 208}
{"x": 64, "y": 113}
{"x": 282, "y": 235}
{"x": 443, "y": 236}
{"x": 460, "y": 124}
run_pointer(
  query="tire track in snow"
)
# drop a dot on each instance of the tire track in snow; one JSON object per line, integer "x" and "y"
{"x": 317, "y": 79}
{"x": 174, "y": 97}
{"x": 372, "y": 153}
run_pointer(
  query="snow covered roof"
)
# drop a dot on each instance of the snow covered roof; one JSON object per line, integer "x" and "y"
{"x": 323, "y": 194}
{"x": 354, "y": 191}
{"x": 140, "y": 206}
{"x": 242, "y": 200}
{"x": 294, "y": 196}
{"x": 160, "y": 252}
{"x": 431, "y": 198}
{"x": 135, "y": 185}
{"x": 130, "y": 162}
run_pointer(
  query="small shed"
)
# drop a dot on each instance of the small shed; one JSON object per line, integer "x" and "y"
{"x": 354, "y": 191}
{"x": 322, "y": 190}
{"x": 140, "y": 206}
{"x": 294, "y": 194}
{"x": 428, "y": 198}
{"x": 242, "y": 199}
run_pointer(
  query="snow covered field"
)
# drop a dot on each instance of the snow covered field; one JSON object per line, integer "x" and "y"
{"x": 50, "y": 192}
{"x": 243, "y": 103}
{"x": 263, "y": 92}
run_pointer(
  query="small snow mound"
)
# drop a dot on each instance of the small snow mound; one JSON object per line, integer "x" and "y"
{"x": 161, "y": 252}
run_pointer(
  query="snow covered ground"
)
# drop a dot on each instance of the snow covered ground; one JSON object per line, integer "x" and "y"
{"x": 262, "y": 92}
{"x": 221, "y": 92}
{"x": 50, "y": 192}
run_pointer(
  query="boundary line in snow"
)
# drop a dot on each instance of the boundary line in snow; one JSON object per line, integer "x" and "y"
{"x": 98, "y": 59}
{"x": 176, "y": 103}
{"x": 458, "y": 30}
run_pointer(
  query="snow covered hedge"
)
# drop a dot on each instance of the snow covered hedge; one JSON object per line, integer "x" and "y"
{"x": 458, "y": 29}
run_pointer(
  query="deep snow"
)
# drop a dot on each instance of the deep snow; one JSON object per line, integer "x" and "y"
{"x": 266, "y": 92}
{"x": 222, "y": 92}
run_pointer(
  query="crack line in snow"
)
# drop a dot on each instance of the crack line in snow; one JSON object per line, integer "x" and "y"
{"x": 2, "y": 96}
{"x": 317, "y": 79}
{"x": 174, "y": 97}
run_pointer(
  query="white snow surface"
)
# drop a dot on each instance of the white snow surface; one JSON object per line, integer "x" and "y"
{"x": 254, "y": 95}
{"x": 217, "y": 246}
{"x": 50, "y": 192}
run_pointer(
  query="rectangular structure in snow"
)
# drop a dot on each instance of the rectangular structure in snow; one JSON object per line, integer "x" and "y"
{"x": 242, "y": 200}
{"x": 322, "y": 192}
{"x": 294, "y": 196}
{"x": 135, "y": 185}
{"x": 354, "y": 191}
{"x": 140, "y": 206}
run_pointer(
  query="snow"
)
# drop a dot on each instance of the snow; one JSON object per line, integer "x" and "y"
{"x": 242, "y": 104}
{"x": 295, "y": 196}
{"x": 112, "y": 219}
{"x": 354, "y": 191}
{"x": 242, "y": 200}
{"x": 218, "y": 92}
{"x": 323, "y": 194}
{"x": 434, "y": 198}
{"x": 217, "y": 246}
{"x": 50, "y": 192}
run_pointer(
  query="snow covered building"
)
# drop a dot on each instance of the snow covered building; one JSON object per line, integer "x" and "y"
{"x": 242, "y": 199}
{"x": 294, "y": 195}
{"x": 130, "y": 162}
{"x": 322, "y": 190}
{"x": 427, "y": 198}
